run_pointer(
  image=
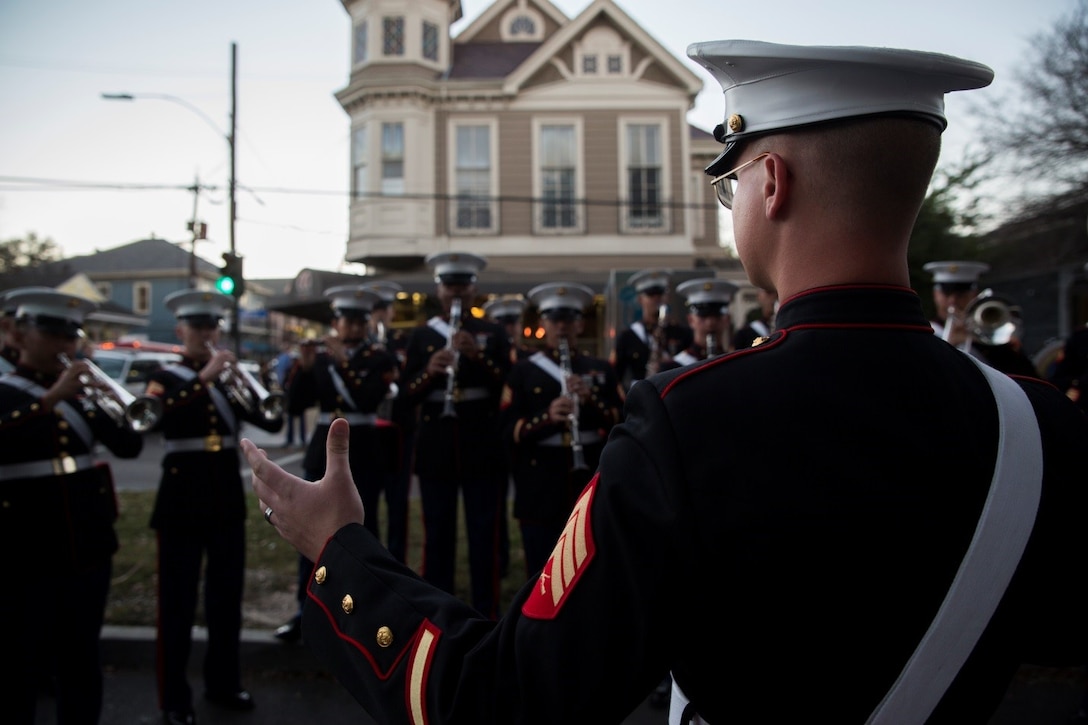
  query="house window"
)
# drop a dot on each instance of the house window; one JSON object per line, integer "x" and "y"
{"x": 472, "y": 178}
{"x": 141, "y": 298}
{"x": 359, "y": 186}
{"x": 360, "y": 43}
{"x": 644, "y": 176}
{"x": 589, "y": 64}
{"x": 615, "y": 64}
{"x": 558, "y": 174}
{"x": 430, "y": 41}
{"x": 522, "y": 25}
{"x": 393, "y": 36}
{"x": 392, "y": 158}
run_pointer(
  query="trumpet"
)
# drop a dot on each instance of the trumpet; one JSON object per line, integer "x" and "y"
{"x": 248, "y": 392}
{"x": 138, "y": 413}
{"x": 992, "y": 320}
{"x": 451, "y": 371}
{"x": 572, "y": 419}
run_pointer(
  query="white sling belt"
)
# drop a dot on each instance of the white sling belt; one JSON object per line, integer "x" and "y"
{"x": 1000, "y": 538}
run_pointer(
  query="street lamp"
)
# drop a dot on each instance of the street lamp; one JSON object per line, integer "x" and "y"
{"x": 231, "y": 185}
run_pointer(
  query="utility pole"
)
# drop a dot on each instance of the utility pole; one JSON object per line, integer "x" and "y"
{"x": 236, "y": 327}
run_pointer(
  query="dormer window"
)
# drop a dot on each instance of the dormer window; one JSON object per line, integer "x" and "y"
{"x": 522, "y": 25}
{"x": 602, "y": 44}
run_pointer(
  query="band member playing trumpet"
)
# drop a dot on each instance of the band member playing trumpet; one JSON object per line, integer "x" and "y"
{"x": 57, "y": 496}
{"x": 199, "y": 511}
{"x": 454, "y": 372}
{"x": 707, "y": 300}
{"x": 349, "y": 377}
{"x": 956, "y": 296}
{"x": 558, "y": 406}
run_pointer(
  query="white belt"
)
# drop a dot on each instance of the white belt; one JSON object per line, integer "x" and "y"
{"x": 52, "y": 467}
{"x": 210, "y": 444}
{"x": 460, "y": 395}
{"x": 351, "y": 418}
{"x": 563, "y": 440}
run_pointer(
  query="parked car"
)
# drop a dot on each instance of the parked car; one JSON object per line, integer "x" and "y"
{"x": 132, "y": 368}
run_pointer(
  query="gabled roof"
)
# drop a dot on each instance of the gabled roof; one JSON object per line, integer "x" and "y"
{"x": 146, "y": 254}
{"x": 572, "y": 30}
{"x": 496, "y": 9}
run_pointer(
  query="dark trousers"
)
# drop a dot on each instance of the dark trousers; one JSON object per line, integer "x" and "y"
{"x": 396, "y": 503}
{"x": 53, "y": 623}
{"x": 301, "y": 421}
{"x": 439, "y": 499}
{"x": 180, "y": 554}
{"x": 538, "y": 540}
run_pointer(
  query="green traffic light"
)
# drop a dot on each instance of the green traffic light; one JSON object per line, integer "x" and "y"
{"x": 225, "y": 285}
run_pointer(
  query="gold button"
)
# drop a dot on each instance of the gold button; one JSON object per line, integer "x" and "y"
{"x": 63, "y": 440}
{"x": 320, "y": 574}
{"x": 183, "y": 394}
{"x": 736, "y": 123}
{"x": 196, "y": 387}
{"x": 15, "y": 414}
{"x": 173, "y": 470}
{"x": 385, "y": 636}
{"x": 34, "y": 406}
{"x": 63, "y": 425}
{"x": 347, "y": 604}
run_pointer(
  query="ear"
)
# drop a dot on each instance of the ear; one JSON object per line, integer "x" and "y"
{"x": 776, "y": 186}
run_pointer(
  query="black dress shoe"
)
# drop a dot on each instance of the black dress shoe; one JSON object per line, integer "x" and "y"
{"x": 240, "y": 700}
{"x": 179, "y": 717}
{"x": 292, "y": 631}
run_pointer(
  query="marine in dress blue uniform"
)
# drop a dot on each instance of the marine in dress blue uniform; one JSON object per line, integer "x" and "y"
{"x": 706, "y": 547}
{"x": 540, "y": 413}
{"x": 350, "y": 379}
{"x": 57, "y": 504}
{"x": 400, "y": 424}
{"x": 955, "y": 291}
{"x": 200, "y": 510}
{"x": 761, "y": 324}
{"x": 707, "y": 300}
{"x": 652, "y": 339}
{"x": 459, "y": 454}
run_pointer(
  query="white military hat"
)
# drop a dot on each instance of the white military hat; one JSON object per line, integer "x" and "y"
{"x": 9, "y": 297}
{"x": 770, "y": 87}
{"x": 956, "y": 272}
{"x": 386, "y": 290}
{"x": 352, "y": 299}
{"x": 556, "y": 297}
{"x": 456, "y": 267}
{"x": 708, "y": 295}
{"x": 650, "y": 280}
{"x": 57, "y": 313}
{"x": 198, "y": 305}
{"x": 505, "y": 309}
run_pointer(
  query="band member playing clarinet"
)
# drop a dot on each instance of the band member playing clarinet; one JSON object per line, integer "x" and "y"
{"x": 455, "y": 369}
{"x": 200, "y": 509}
{"x": 558, "y": 406}
{"x": 350, "y": 378}
{"x": 56, "y": 497}
{"x": 707, "y": 300}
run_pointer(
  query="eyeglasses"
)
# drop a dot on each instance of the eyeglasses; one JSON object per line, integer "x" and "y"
{"x": 726, "y": 184}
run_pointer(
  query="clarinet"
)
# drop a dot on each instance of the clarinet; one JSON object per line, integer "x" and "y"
{"x": 451, "y": 371}
{"x": 572, "y": 419}
{"x": 657, "y": 342}
{"x": 711, "y": 346}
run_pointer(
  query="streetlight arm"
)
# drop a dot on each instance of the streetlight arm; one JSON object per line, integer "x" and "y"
{"x": 124, "y": 96}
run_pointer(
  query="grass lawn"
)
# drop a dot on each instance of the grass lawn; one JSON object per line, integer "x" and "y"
{"x": 271, "y": 565}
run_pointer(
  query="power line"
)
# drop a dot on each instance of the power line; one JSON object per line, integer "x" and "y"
{"x": 68, "y": 185}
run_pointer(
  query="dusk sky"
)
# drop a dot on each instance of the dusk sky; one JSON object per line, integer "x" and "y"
{"x": 56, "y": 132}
